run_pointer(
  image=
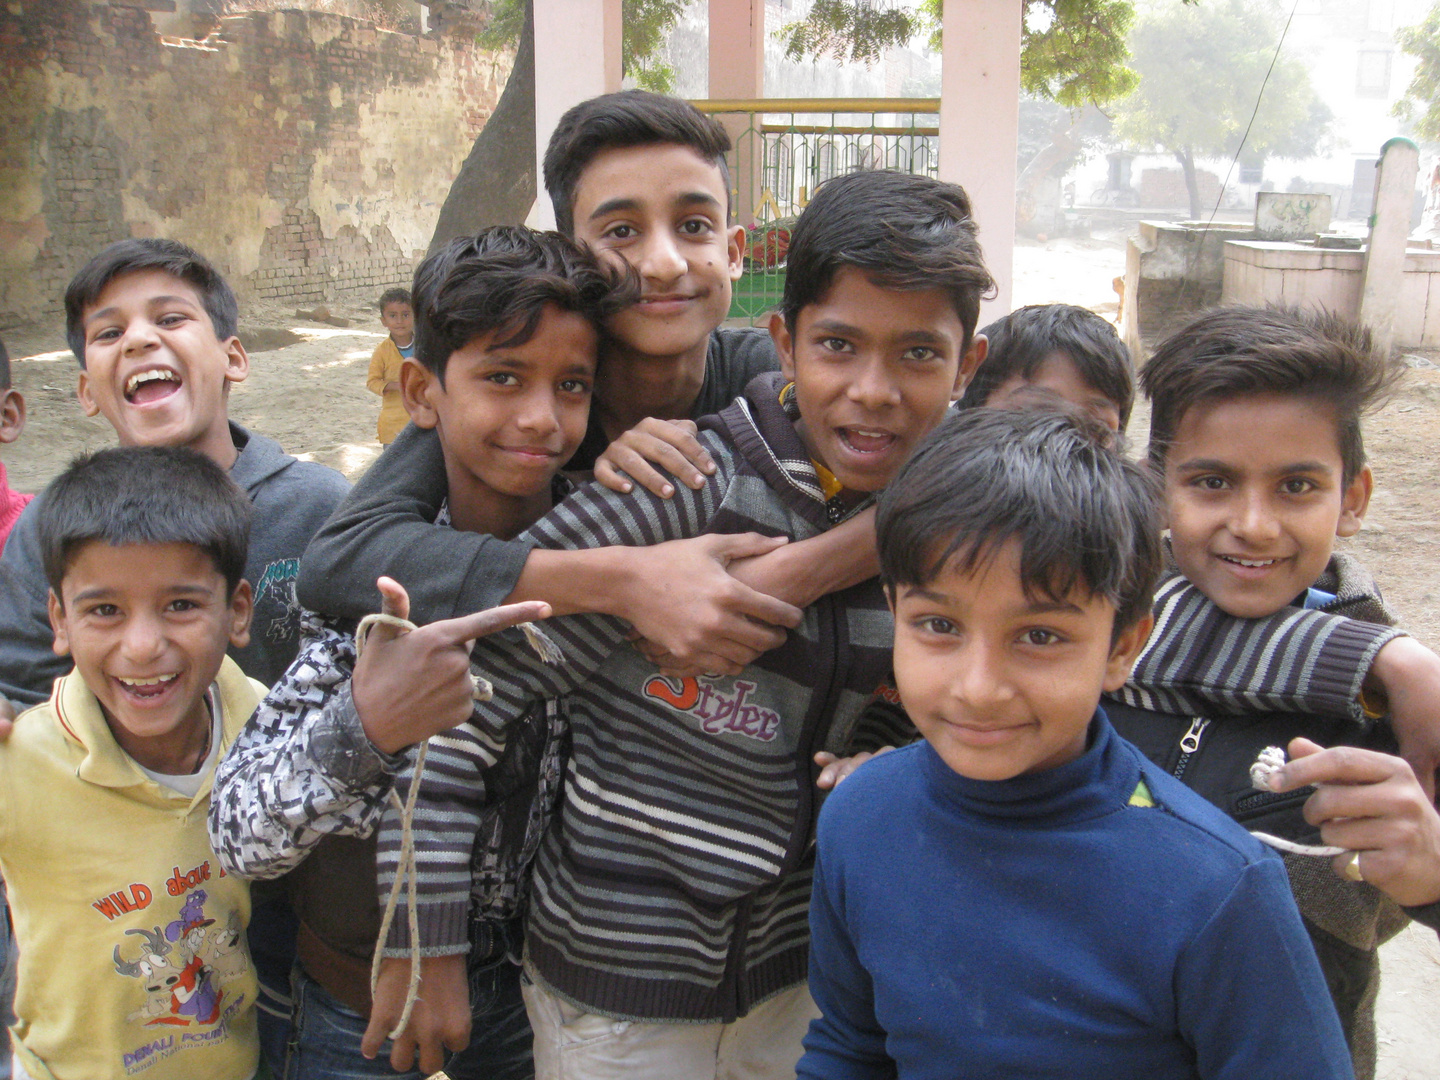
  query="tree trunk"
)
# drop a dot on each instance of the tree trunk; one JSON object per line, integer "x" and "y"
{"x": 496, "y": 185}
{"x": 1192, "y": 183}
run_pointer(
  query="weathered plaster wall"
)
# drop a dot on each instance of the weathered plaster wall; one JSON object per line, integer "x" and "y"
{"x": 307, "y": 154}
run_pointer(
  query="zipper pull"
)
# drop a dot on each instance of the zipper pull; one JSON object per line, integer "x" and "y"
{"x": 1190, "y": 741}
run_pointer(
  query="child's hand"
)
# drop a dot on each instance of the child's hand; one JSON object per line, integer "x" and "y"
{"x": 694, "y": 615}
{"x": 409, "y": 686}
{"x": 667, "y": 443}
{"x": 1370, "y": 803}
{"x": 1409, "y": 675}
{"x": 439, "y": 1021}
{"x": 834, "y": 769}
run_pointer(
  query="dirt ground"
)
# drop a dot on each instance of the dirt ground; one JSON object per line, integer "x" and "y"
{"x": 311, "y": 396}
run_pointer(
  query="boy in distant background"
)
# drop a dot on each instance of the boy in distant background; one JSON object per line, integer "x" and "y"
{"x": 131, "y": 939}
{"x": 12, "y": 423}
{"x": 384, "y": 378}
{"x": 987, "y": 899}
{"x": 1068, "y": 351}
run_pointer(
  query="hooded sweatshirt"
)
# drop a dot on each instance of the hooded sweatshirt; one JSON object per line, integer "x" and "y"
{"x": 292, "y": 499}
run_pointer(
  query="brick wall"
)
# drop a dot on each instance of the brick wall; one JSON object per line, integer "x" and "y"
{"x": 306, "y": 153}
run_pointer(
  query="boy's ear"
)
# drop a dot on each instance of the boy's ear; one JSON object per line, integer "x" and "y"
{"x": 237, "y": 362}
{"x": 12, "y": 415}
{"x": 61, "y": 644}
{"x": 1355, "y": 502}
{"x": 417, "y": 387}
{"x": 969, "y": 364}
{"x": 1125, "y": 651}
{"x": 242, "y": 606}
{"x": 735, "y": 251}
{"x": 87, "y": 399}
{"x": 784, "y": 345}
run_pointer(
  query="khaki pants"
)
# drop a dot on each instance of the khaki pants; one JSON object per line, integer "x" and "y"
{"x": 574, "y": 1045}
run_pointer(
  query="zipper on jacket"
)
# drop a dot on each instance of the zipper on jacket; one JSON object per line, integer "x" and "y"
{"x": 1189, "y": 743}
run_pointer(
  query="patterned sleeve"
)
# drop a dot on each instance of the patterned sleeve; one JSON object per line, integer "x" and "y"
{"x": 451, "y": 801}
{"x": 302, "y": 768}
{"x": 1199, "y": 659}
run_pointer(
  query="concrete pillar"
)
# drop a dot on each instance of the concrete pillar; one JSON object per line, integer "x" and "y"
{"x": 980, "y": 124}
{"x": 1380, "y": 282}
{"x": 577, "y": 56}
{"x": 737, "y": 72}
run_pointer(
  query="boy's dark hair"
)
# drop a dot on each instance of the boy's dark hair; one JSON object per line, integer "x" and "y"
{"x": 624, "y": 119}
{"x": 903, "y": 232}
{"x": 1084, "y": 513}
{"x": 144, "y": 495}
{"x": 1236, "y": 352}
{"x": 4, "y": 367}
{"x": 396, "y": 295}
{"x": 149, "y": 253}
{"x": 499, "y": 282}
{"x": 1022, "y": 341}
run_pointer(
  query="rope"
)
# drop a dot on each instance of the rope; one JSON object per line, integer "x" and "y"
{"x": 1271, "y": 759}
{"x": 405, "y": 872}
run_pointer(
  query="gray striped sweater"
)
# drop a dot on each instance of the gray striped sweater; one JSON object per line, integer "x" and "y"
{"x": 676, "y": 883}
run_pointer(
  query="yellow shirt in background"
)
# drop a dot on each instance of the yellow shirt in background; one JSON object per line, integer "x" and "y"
{"x": 131, "y": 940}
{"x": 385, "y": 368}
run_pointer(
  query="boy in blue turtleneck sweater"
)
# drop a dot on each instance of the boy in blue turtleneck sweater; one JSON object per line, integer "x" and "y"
{"x": 1023, "y": 893}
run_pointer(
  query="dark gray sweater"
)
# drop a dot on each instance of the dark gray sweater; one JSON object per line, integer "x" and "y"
{"x": 291, "y": 499}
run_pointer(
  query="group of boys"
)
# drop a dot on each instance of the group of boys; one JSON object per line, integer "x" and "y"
{"x": 619, "y": 843}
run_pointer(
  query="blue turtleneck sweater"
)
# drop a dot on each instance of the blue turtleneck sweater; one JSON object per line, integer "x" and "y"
{"x": 1053, "y": 925}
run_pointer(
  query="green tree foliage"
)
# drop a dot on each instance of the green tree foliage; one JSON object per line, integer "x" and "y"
{"x": 1071, "y": 51}
{"x": 1421, "y": 104}
{"x": 1201, "y": 68}
{"x": 644, "y": 26}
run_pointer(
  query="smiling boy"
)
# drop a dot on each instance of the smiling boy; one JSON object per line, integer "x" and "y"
{"x": 1256, "y": 428}
{"x": 641, "y": 179}
{"x": 507, "y": 337}
{"x": 1022, "y": 893}
{"x": 671, "y": 894}
{"x": 153, "y": 326}
{"x": 143, "y": 550}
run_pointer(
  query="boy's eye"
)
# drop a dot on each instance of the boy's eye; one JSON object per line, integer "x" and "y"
{"x": 181, "y": 605}
{"x": 575, "y": 386}
{"x": 1210, "y": 483}
{"x": 502, "y": 378}
{"x": 110, "y": 333}
{"x": 696, "y": 227}
{"x": 935, "y": 624}
{"x": 620, "y": 232}
{"x": 103, "y": 611}
{"x": 834, "y": 344}
{"x": 920, "y": 352}
{"x": 1039, "y": 636}
{"x": 172, "y": 319}
{"x": 1297, "y": 486}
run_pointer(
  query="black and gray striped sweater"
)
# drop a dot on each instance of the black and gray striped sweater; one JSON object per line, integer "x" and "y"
{"x": 677, "y": 881}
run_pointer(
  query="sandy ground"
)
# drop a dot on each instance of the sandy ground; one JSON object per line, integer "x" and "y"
{"x": 311, "y": 397}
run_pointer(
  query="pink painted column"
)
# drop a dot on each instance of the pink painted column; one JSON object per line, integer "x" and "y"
{"x": 577, "y": 56}
{"x": 737, "y": 71}
{"x": 980, "y": 124}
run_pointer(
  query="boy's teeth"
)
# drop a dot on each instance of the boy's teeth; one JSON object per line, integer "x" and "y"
{"x": 1250, "y": 562}
{"x": 147, "y": 682}
{"x": 147, "y": 376}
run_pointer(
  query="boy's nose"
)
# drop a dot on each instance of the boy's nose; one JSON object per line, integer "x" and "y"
{"x": 980, "y": 681}
{"x": 872, "y": 385}
{"x": 661, "y": 259}
{"x": 1254, "y": 520}
{"x": 139, "y": 335}
{"x": 143, "y": 639}
{"x": 538, "y": 414}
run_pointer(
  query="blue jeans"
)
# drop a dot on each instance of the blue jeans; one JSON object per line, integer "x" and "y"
{"x": 271, "y": 938}
{"x": 325, "y": 1044}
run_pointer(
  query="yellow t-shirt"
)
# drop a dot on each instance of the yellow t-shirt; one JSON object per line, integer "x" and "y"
{"x": 131, "y": 938}
{"x": 385, "y": 368}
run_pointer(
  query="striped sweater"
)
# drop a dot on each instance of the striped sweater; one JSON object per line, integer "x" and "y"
{"x": 677, "y": 881}
{"x": 1201, "y": 660}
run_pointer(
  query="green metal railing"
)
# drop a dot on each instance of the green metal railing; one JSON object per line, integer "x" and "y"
{"x": 785, "y": 148}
